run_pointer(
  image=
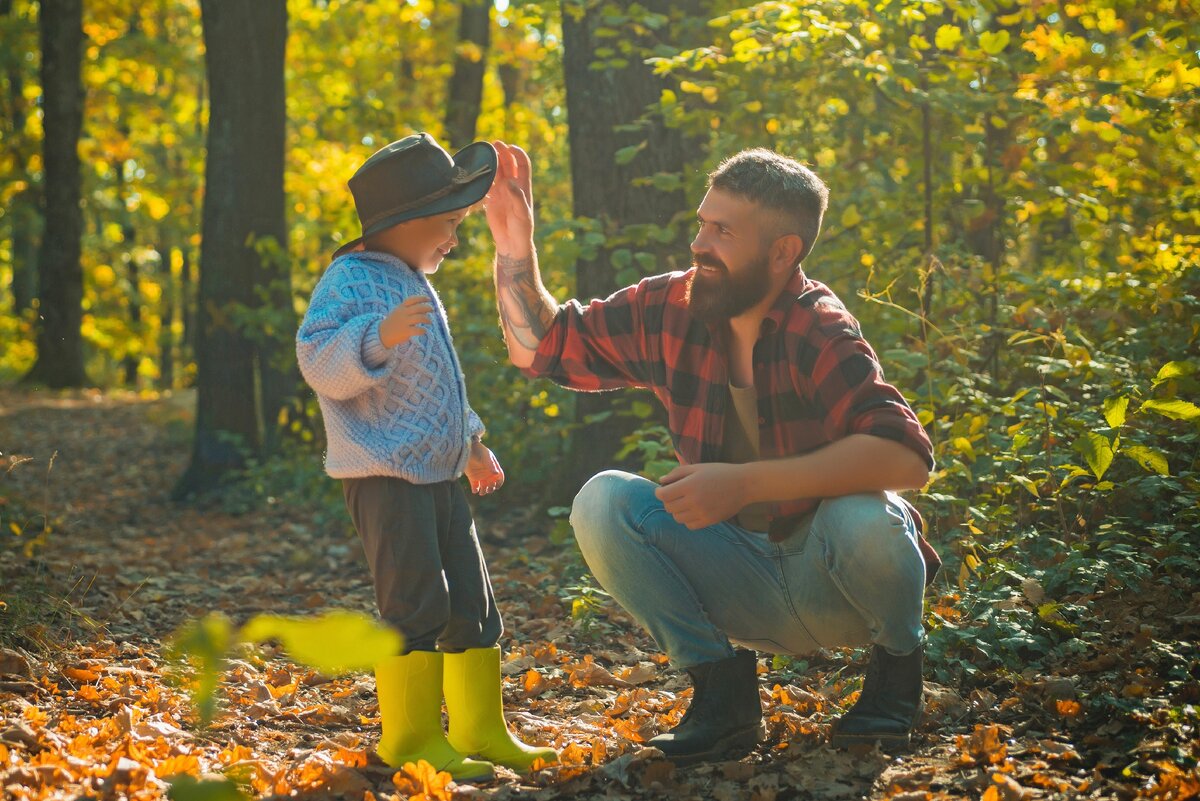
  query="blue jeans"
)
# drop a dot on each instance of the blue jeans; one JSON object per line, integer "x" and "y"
{"x": 850, "y": 575}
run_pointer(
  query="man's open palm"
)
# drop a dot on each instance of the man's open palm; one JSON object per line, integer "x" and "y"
{"x": 509, "y": 204}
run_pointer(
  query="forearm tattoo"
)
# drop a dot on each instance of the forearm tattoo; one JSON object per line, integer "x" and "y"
{"x": 526, "y": 308}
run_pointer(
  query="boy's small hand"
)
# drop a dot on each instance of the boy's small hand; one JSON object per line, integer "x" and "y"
{"x": 483, "y": 470}
{"x": 405, "y": 321}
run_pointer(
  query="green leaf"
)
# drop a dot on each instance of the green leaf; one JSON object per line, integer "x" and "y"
{"x": 189, "y": 788}
{"x": 1028, "y": 484}
{"x": 1114, "y": 411}
{"x": 1174, "y": 370}
{"x": 1150, "y": 459}
{"x": 1174, "y": 409}
{"x": 1097, "y": 450}
{"x": 336, "y": 642}
{"x": 204, "y": 644}
{"x": 993, "y": 43}
{"x": 626, "y": 154}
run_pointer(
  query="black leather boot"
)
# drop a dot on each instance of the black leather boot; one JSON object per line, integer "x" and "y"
{"x": 889, "y": 705}
{"x": 724, "y": 720}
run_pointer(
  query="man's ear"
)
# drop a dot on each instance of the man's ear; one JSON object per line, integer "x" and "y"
{"x": 785, "y": 252}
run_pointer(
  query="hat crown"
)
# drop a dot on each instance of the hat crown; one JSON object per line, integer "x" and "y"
{"x": 402, "y": 171}
{"x": 416, "y": 177}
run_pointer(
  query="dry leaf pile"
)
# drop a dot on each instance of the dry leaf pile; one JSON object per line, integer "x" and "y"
{"x": 89, "y": 708}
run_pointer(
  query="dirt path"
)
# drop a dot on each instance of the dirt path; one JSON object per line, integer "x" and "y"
{"x": 85, "y": 708}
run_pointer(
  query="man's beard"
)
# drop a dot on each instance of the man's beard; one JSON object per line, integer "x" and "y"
{"x": 715, "y": 298}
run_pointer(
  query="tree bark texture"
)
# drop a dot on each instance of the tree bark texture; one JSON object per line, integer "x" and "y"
{"x": 603, "y": 107}
{"x": 470, "y": 63}
{"x": 243, "y": 204}
{"x": 60, "y": 272}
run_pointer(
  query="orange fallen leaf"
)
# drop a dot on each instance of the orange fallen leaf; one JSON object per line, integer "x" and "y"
{"x": 535, "y": 683}
{"x": 1068, "y": 709}
{"x": 87, "y": 692}
{"x": 176, "y": 765}
{"x": 80, "y": 674}
{"x": 982, "y": 746}
{"x": 423, "y": 782}
{"x": 1004, "y": 788}
{"x": 346, "y": 756}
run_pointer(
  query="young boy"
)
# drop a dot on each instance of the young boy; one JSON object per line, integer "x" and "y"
{"x": 375, "y": 346}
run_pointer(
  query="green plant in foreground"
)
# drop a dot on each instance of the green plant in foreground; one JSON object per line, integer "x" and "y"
{"x": 339, "y": 641}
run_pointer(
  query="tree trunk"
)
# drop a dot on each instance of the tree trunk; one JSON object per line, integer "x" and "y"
{"x": 60, "y": 273}
{"x": 470, "y": 62}
{"x": 166, "y": 331}
{"x": 243, "y": 202}
{"x": 23, "y": 213}
{"x": 24, "y": 224}
{"x": 601, "y": 105}
{"x": 129, "y": 364}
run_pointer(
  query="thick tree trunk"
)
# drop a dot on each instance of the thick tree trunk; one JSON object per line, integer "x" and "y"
{"x": 602, "y": 104}
{"x": 466, "y": 85}
{"x": 243, "y": 201}
{"x": 60, "y": 273}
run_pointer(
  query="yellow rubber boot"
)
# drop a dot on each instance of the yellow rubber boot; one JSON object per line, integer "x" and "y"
{"x": 476, "y": 709}
{"x": 410, "y": 708}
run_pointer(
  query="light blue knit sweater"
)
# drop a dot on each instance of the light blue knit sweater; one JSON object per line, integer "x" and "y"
{"x": 398, "y": 411}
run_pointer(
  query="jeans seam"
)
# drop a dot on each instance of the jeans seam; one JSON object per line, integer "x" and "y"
{"x": 787, "y": 595}
{"x": 670, "y": 568}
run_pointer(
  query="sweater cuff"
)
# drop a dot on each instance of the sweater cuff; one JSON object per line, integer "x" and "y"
{"x": 475, "y": 429}
{"x": 374, "y": 354}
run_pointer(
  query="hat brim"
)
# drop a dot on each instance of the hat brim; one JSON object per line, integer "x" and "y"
{"x": 471, "y": 158}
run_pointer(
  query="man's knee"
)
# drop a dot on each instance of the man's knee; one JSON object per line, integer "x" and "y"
{"x": 598, "y": 498}
{"x": 867, "y": 513}
{"x": 869, "y": 532}
{"x": 606, "y": 510}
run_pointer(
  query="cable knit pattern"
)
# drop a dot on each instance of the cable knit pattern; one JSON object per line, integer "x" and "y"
{"x": 399, "y": 411}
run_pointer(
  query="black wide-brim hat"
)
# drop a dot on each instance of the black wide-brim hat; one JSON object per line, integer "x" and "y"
{"x": 416, "y": 177}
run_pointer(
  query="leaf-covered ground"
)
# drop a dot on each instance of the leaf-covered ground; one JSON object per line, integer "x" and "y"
{"x": 98, "y": 568}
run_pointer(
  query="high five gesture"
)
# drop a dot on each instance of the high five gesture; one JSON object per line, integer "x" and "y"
{"x": 526, "y": 308}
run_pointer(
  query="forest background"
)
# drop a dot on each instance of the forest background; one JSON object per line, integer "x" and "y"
{"x": 1014, "y": 218}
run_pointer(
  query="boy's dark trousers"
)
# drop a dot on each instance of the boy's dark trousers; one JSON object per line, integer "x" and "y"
{"x": 431, "y": 583}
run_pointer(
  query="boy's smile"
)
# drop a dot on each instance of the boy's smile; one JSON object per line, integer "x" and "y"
{"x": 421, "y": 243}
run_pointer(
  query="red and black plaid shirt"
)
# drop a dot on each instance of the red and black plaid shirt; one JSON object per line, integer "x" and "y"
{"x": 817, "y": 378}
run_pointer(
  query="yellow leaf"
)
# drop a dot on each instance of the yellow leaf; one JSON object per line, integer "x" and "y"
{"x": 851, "y": 217}
{"x": 710, "y": 94}
{"x": 335, "y": 642}
{"x": 918, "y": 42}
{"x": 948, "y": 37}
{"x": 772, "y": 126}
{"x": 993, "y": 43}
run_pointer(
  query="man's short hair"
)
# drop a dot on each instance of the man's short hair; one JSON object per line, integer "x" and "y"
{"x": 778, "y": 183}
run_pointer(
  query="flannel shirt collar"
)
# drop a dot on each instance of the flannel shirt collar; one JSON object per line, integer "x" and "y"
{"x": 786, "y": 299}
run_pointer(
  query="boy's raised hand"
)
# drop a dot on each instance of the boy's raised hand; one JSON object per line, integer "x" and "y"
{"x": 483, "y": 470}
{"x": 406, "y": 321}
{"x": 509, "y": 203}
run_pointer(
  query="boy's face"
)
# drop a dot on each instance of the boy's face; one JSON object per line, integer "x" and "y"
{"x": 423, "y": 243}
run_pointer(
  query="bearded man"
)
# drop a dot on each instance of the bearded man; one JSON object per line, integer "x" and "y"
{"x": 781, "y": 530}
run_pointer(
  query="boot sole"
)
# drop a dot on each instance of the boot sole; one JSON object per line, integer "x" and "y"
{"x": 731, "y": 746}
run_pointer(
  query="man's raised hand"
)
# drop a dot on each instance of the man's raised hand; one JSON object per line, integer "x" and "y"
{"x": 509, "y": 203}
